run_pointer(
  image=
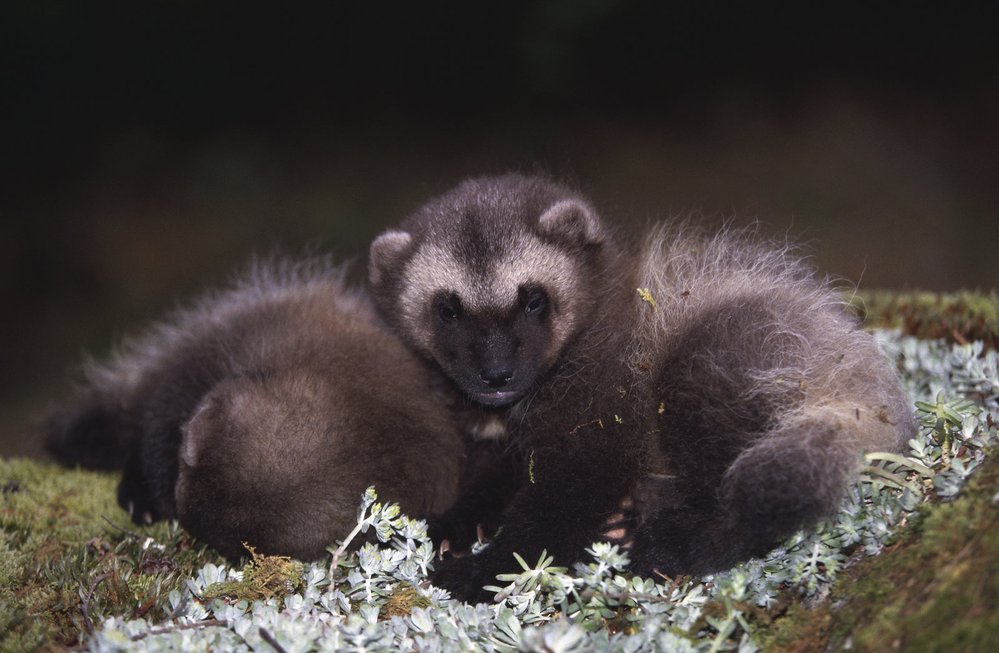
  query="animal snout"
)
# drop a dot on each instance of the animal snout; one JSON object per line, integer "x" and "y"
{"x": 496, "y": 377}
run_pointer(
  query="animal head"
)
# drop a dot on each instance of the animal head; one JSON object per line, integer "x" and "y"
{"x": 492, "y": 280}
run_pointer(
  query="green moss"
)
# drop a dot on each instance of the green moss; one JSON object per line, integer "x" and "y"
{"x": 937, "y": 589}
{"x": 69, "y": 556}
{"x": 264, "y": 577}
{"x": 402, "y": 601}
{"x": 798, "y": 629}
{"x": 961, "y": 316}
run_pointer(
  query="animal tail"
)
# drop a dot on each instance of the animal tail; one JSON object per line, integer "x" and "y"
{"x": 795, "y": 475}
{"x": 792, "y": 477}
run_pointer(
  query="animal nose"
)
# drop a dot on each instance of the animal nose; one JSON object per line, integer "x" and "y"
{"x": 496, "y": 377}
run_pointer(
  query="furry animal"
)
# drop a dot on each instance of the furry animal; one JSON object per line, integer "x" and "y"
{"x": 727, "y": 402}
{"x": 261, "y": 414}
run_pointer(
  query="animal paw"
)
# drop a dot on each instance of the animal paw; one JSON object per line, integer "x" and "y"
{"x": 620, "y": 526}
{"x": 460, "y": 537}
{"x": 465, "y": 577}
{"x": 134, "y": 498}
{"x": 683, "y": 541}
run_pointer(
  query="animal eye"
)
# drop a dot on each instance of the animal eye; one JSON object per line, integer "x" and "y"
{"x": 448, "y": 309}
{"x": 535, "y": 302}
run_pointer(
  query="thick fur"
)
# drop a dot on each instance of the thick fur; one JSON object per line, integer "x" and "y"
{"x": 768, "y": 388}
{"x": 478, "y": 248}
{"x": 728, "y": 415}
{"x": 261, "y": 413}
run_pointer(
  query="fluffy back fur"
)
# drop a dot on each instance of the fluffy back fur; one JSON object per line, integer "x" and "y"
{"x": 768, "y": 389}
{"x": 261, "y": 413}
{"x": 728, "y": 415}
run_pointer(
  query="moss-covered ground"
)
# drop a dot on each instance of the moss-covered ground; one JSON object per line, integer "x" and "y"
{"x": 68, "y": 553}
{"x": 958, "y": 317}
{"x": 69, "y": 557}
{"x": 935, "y": 589}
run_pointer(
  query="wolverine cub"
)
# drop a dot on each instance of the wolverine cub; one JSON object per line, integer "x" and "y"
{"x": 727, "y": 401}
{"x": 261, "y": 413}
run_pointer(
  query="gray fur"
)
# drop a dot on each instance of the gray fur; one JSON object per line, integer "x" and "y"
{"x": 262, "y": 412}
{"x": 732, "y": 413}
{"x": 770, "y": 389}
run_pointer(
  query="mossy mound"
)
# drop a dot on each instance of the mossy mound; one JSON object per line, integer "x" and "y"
{"x": 958, "y": 317}
{"x": 69, "y": 556}
{"x": 262, "y": 577}
{"x": 936, "y": 589}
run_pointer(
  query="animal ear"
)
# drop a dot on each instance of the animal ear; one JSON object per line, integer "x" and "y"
{"x": 572, "y": 220}
{"x": 233, "y": 406}
{"x": 198, "y": 432}
{"x": 385, "y": 252}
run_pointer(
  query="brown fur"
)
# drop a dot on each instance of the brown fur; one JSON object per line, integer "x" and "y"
{"x": 262, "y": 412}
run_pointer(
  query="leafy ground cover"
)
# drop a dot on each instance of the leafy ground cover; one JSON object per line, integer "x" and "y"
{"x": 910, "y": 562}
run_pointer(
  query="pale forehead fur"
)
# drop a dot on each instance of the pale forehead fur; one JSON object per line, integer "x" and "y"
{"x": 491, "y": 285}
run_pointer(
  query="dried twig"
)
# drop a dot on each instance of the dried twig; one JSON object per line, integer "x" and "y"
{"x": 270, "y": 640}
{"x": 85, "y": 604}
{"x": 123, "y": 530}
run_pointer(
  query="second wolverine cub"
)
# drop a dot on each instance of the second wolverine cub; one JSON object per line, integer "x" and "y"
{"x": 260, "y": 413}
{"x": 728, "y": 401}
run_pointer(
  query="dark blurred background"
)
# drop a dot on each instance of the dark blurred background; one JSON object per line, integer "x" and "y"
{"x": 149, "y": 148}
